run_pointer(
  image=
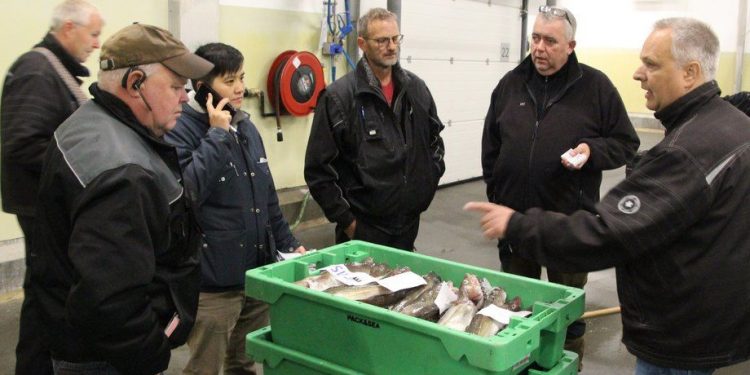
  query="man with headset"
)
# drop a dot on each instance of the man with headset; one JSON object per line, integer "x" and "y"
{"x": 115, "y": 267}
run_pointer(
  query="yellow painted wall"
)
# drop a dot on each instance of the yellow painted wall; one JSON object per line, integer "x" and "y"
{"x": 261, "y": 35}
{"x": 25, "y": 23}
{"x": 620, "y": 64}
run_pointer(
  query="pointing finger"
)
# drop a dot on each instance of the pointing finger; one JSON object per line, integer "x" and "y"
{"x": 481, "y": 207}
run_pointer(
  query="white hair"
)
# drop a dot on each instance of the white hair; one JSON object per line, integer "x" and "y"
{"x": 110, "y": 80}
{"x": 76, "y": 11}
{"x": 692, "y": 40}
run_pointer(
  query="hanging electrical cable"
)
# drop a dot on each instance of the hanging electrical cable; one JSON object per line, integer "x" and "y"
{"x": 339, "y": 26}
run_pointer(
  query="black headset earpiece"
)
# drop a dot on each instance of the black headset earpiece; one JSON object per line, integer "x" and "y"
{"x": 138, "y": 82}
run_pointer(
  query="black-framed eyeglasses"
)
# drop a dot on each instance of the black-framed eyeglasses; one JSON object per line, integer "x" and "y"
{"x": 383, "y": 42}
{"x": 557, "y": 12}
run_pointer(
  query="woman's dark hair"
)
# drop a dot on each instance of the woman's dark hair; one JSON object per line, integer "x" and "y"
{"x": 226, "y": 59}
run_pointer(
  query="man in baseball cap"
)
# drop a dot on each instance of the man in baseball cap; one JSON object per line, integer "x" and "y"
{"x": 140, "y": 44}
{"x": 116, "y": 267}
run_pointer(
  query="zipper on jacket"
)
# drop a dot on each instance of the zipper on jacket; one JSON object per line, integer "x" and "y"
{"x": 531, "y": 149}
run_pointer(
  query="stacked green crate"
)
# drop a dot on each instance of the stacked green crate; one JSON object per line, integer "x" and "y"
{"x": 373, "y": 340}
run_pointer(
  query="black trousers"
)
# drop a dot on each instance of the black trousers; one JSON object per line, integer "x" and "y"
{"x": 32, "y": 352}
{"x": 402, "y": 239}
{"x": 512, "y": 263}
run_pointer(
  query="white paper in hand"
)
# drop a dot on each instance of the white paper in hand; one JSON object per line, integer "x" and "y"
{"x": 292, "y": 255}
{"x": 577, "y": 160}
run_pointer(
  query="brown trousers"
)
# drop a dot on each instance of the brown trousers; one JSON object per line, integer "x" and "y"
{"x": 218, "y": 337}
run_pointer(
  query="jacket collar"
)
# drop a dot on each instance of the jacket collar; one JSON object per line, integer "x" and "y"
{"x": 122, "y": 112}
{"x": 69, "y": 62}
{"x": 684, "y": 107}
{"x": 368, "y": 82}
{"x": 572, "y": 70}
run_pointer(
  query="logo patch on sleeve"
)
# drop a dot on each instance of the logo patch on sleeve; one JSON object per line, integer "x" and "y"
{"x": 629, "y": 204}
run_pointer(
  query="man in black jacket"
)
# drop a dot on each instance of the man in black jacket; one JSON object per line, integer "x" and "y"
{"x": 115, "y": 267}
{"x": 375, "y": 154}
{"x": 41, "y": 90}
{"x": 676, "y": 228}
{"x": 548, "y": 104}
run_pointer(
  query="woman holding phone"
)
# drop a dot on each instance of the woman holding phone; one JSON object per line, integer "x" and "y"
{"x": 226, "y": 174}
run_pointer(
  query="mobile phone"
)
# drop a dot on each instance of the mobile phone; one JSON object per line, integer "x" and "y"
{"x": 201, "y": 96}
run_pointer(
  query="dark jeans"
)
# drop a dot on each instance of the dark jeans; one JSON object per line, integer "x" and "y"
{"x": 645, "y": 368}
{"x": 512, "y": 263}
{"x": 32, "y": 351}
{"x": 402, "y": 239}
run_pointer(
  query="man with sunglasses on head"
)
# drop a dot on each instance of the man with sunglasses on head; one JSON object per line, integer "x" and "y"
{"x": 546, "y": 106}
{"x": 375, "y": 154}
{"x": 115, "y": 266}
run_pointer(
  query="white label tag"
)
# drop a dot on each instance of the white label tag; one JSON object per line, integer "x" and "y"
{"x": 500, "y": 314}
{"x": 296, "y": 62}
{"x": 342, "y": 274}
{"x": 445, "y": 297}
{"x": 402, "y": 281}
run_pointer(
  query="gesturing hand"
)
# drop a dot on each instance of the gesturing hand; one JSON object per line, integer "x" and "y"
{"x": 494, "y": 220}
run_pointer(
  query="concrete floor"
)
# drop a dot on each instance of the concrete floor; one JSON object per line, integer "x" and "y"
{"x": 448, "y": 232}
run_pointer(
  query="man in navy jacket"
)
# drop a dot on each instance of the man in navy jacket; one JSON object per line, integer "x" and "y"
{"x": 226, "y": 171}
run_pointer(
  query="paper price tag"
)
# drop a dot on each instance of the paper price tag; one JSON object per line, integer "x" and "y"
{"x": 445, "y": 297}
{"x": 500, "y": 314}
{"x": 342, "y": 274}
{"x": 402, "y": 281}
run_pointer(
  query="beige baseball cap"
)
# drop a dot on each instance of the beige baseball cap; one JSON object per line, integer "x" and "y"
{"x": 140, "y": 44}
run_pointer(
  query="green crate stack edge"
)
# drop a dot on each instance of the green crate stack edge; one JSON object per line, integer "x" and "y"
{"x": 373, "y": 340}
{"x": 278, "y": 360}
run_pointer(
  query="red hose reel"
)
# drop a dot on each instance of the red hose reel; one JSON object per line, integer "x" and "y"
{"x": 294, "y": 82}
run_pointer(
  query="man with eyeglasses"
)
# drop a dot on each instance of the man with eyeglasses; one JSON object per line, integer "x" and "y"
{"x": 676, "y": 229}
{"x": 547, "y": 105}
{"x": 375, "y": 154}
{"x": 41, "y": 89}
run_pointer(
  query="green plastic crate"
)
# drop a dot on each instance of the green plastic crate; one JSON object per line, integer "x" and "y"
{"x": 375, "y": 340}
{"x": 278, "y": 360}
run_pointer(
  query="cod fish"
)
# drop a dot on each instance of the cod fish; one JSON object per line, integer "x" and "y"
{"x": 485, "y": 326}
{"x": 459, "y": 315}
{"x": 421, "y": 302}
{"x": 326, "y": 280}
{"x": 372, "y": 293}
